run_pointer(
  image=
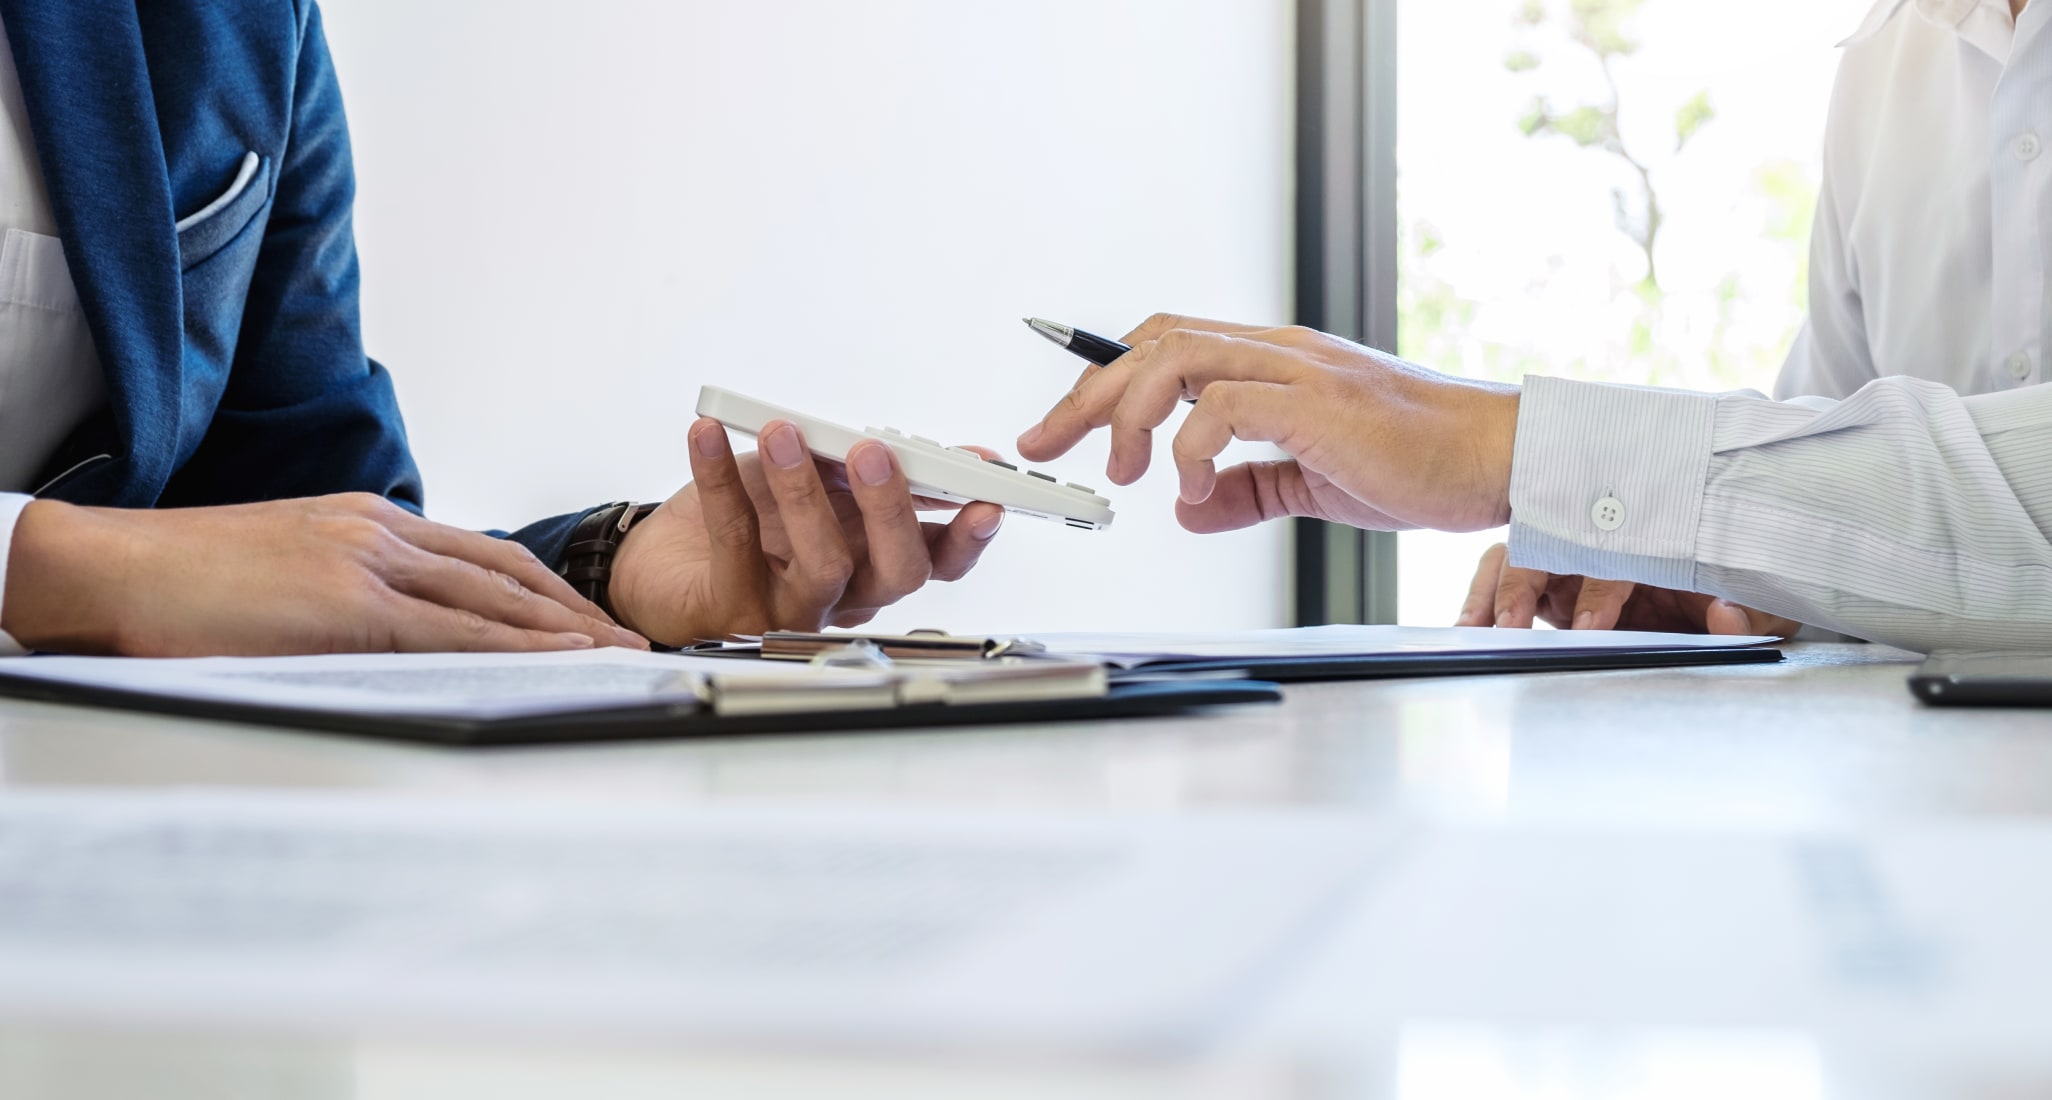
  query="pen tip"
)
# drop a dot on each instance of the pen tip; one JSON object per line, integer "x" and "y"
{"x": 1028, "y": 320}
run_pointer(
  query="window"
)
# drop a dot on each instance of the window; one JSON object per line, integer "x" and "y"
{"x": 1614, "y": 190}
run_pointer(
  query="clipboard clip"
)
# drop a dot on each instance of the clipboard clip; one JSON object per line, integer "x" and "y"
{"x": 860, "y": 654}
{"x": 919, "y": 645}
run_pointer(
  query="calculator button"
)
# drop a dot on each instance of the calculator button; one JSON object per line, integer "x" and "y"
{"x": 923, "y": 439}
{"x": 1002, "y": 462}
{"x": 1082, "y": 488}
{"x": 1041, "y": 476}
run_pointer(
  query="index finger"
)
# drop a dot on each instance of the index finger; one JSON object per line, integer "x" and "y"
{"x": 1154, "y": 327}
{"x": 1141, "y": 389}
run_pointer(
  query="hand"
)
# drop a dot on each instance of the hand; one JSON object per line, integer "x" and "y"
{"x": 1373, "y": 441}
{"x": 349, "y": 573}
{"x": 780, "y": 541}
{"x": 1505, "y": 596}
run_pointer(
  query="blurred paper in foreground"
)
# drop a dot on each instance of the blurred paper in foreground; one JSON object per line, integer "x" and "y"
{"x": 920, "y": 927}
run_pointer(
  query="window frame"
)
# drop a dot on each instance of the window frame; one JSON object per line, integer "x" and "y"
{"x": 1346, "y": 262}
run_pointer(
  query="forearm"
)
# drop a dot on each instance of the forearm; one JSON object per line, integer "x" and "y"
{"x": 1904, "y": 514}
{"x": 56, "y": 587}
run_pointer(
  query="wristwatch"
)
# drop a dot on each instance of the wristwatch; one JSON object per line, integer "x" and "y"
{"x": 588, "y": 560}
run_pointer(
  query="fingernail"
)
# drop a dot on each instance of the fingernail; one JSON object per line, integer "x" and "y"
{"x": 711, "y": 440}
{"x": 984, "y": 529}
{"x": 1503, "y": 618}
{"x": 579, "y": 641}
{"x": 1583, "y": 619}
{"x": 630, "y": 639}
{"x": 783, "y": 447}
{"x": 872, "y": 464}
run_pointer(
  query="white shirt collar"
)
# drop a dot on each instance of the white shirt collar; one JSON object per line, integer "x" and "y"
{"x": 1992, "y": 31}
{"x": 1882, "y": 12}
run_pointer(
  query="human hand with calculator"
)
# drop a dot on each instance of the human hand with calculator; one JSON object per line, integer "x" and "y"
{"x": 778, "y": 539}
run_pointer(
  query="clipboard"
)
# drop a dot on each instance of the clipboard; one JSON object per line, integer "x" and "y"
{"x": 1390, "y": 666}
{"x": 1297, "y": 668}
{"x": 677, "y": 717}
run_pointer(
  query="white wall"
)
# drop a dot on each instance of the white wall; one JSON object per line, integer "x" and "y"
{"x": 571, "y": 216}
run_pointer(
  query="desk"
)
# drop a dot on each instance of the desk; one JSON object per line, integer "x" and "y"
{"x": 1829, "y": 740}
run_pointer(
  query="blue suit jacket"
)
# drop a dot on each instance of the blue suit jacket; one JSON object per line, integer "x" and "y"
{"x": 233, "y": 354}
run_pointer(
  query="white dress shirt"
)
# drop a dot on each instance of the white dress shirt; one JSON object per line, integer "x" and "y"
{"x": 49, "y": 374}
{"x": 1876, "y": 498}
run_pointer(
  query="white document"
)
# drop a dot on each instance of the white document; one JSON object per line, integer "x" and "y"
{"x": 918, "y": 927}
{"x": 1132, "y": 650}
{"x": 450, "y": 685}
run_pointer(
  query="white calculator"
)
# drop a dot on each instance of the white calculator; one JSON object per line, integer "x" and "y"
{"x": 944, "y": 473}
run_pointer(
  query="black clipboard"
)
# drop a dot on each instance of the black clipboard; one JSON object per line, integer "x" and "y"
{"x": 1137, "y": 700}
{"x": 1389, "y": 666}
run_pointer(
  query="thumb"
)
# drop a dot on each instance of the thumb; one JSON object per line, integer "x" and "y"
{"x": 1255, "y": 492}
{"x": 1722, "y": 616}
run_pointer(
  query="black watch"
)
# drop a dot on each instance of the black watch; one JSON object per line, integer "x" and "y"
{"x": 588, "y": 560}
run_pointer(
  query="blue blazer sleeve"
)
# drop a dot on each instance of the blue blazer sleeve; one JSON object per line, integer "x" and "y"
{"x": 548, "y": 538}
{"x": 304, "y": 411}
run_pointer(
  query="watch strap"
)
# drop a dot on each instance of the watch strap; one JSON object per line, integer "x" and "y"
{"x": 588, "y": 559}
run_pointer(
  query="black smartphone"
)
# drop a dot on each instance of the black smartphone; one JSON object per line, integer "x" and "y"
{"x": 1984, "y": 679}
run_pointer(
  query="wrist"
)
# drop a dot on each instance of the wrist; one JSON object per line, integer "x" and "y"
{"x": 621, "y": 595}
{"x": 61, "y": 570}
{"x": 1495, "y": 444}
{"x": 1464, "y": 434}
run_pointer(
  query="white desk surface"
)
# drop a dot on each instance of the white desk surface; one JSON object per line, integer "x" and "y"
{"x": 1829, "y": 741}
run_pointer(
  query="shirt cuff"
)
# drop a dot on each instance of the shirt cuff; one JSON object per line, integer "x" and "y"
{"x": 11, "y": 505}
{"x": 1607, "y": 481}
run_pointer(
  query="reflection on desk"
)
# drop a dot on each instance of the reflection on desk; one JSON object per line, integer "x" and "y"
{"x": 1731, "y": 852}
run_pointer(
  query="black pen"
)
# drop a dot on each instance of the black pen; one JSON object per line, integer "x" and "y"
{"x": 1087, "y": 346}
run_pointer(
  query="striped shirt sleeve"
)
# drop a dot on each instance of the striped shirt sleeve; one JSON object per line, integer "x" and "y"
{"x": 1904, "y": 514}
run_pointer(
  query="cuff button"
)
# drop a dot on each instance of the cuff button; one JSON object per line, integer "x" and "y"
{"x": 1607, "y": 514}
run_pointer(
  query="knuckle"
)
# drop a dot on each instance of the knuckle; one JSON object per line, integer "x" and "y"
{"x": 1126, "y": 417}
{"x": 470, "y": 625}
{"x": 518, "y": 556}
{"x": 955, "y": 567}
{"x": 801, "y": 485}
{"x": 1221, "y": 397}
{"x": 912, "y": 573}
{"x": 889, "y": 509}
{"x": 1073, "y": 402}
{"x": 360, "y": 536}
{"x": 365, "y": 504}
{"x": 509, "y": 586}
{"x": 357, "y": 584}
{"x": 1161, "y": 322}
{"x": 832, "y": 568}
